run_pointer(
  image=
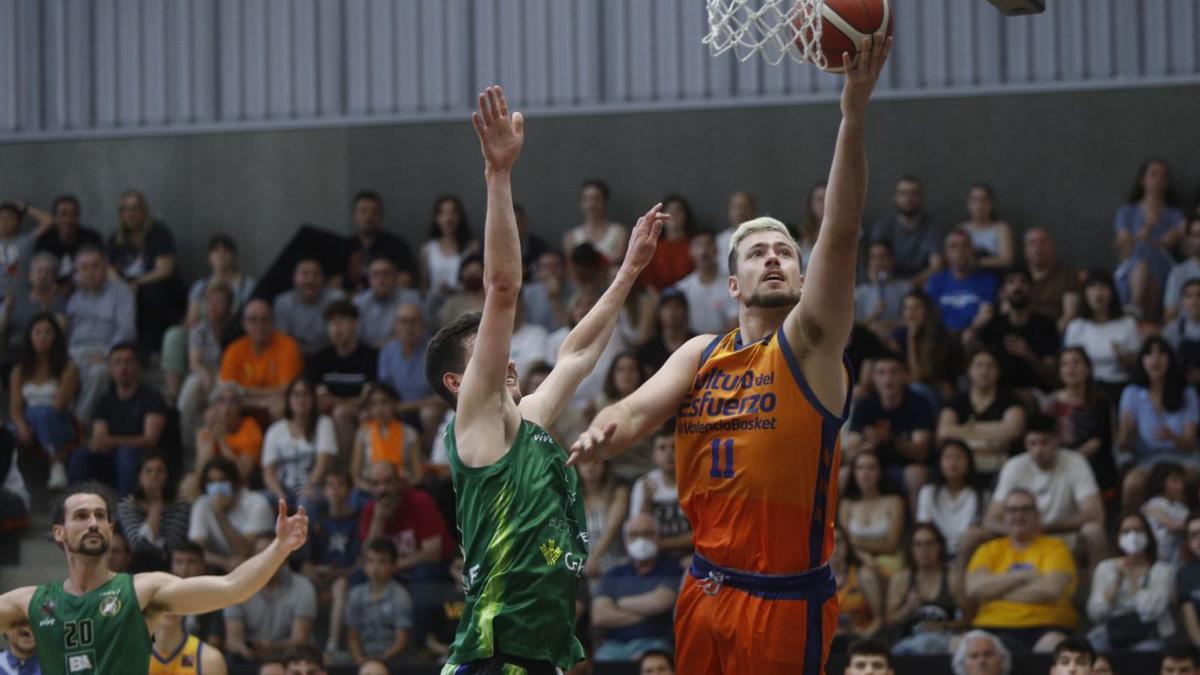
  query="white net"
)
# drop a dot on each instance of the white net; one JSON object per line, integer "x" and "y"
{"x": 773, "y": 28}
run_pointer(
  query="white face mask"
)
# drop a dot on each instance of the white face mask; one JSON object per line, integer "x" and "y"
{"x": 1133, "y": 542}
{"x": 642, "y": 549}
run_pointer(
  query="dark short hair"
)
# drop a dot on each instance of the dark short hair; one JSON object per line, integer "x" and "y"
{"x": 225, "y": 466}
{"x": 383, "y": 546}
{"x": 1017, "y": 271}
{"x": 13, "y": 208}
{"x": 340, "y": 474}
{"x": 341, "y": 309}
{"x": 385, "y": 389}
{"x": 447, "y": 353}
{"x": 367, "y": 195}
{"x": 124, "y": 347}
{"x": 657, "y": 652}
{"x": 870, "y": 647}
{"x": 306, "y": 654}
{"x": 469, "y": 260}
{"x": 189, "y": 547}
{"x": 169, "y": 490}
{"x": 598, "y": 184}
{"x": 1177, "y": 650}
{"x": 1194, "y": 281}
{"x": 884, "y": 244}
{"x": 909, "y": 178}
{"x": 85, "y": 249}
{"x": 1075, "y": 645}
{"x": 587, "y": 255}
{"x": 1041, "y": 424}
{"x": 66, "y": 198}
{"x": 59, "y": 512}
{"x": 221, "y": 240}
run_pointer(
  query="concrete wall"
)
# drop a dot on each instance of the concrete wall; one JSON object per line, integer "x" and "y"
{"x": 1063, "y": 160}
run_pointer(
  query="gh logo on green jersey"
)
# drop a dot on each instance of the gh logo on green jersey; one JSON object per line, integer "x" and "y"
{"x": 551, "y": 551}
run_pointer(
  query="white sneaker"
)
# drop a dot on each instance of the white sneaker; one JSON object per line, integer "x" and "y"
{"x": 58, "y": 477}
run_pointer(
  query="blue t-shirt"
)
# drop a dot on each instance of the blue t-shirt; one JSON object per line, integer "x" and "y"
{"x": 624, "y": 581}
{"x": 335, "y": 539}
{"x": 914, "y": 414}
{"x": 959, "y": 299}
{"x": 406, "y": 374}
{"x": 1136, "y": 401}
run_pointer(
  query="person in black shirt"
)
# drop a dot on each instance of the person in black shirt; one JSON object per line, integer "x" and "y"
{"x": 445, "y": 610}
{"x": 987, "y": 417}
{"x": 672, "y": 331}
{"x": 1025, "y": 342}
{"x": 369, "y": 242}
{"x": 342, "y": 370}
{"x": 66, "y": 238}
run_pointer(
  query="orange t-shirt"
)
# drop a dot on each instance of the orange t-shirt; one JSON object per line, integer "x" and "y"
{"x": 671, "y": 262}
{"x": 247, "y": 440}
{"x": 275, "y": 366}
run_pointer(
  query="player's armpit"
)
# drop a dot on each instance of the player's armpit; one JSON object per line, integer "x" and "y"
{"x": 14, "y": 608}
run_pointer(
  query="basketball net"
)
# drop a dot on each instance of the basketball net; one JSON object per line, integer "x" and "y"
{"x": 773, "y": 28}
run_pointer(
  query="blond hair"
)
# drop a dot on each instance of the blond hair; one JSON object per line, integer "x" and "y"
{"x": 752, "y": 226}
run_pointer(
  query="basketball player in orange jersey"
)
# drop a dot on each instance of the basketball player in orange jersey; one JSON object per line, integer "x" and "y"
{"x": 757, "y": 417}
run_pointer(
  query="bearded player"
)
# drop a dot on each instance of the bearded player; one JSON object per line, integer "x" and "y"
{"x": 98, "y": 621}
{"x": 757, "y": 416}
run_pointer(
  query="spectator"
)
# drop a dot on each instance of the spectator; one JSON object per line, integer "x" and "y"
{"x": 383, "y": 438}
{"x": 1073, "y": 656}
{"x": 991, "y": 238}
{"x": 571, "y": 423}
{"x": 1185, "y": 271}
{"x": 410, "y": 519}
{"x": 228, "y": 433}
{"x": 926, "y": 597}
{"x": 372, "y": 667}
{"x": 378, "y": 304}
{"x": 911, "y": 234}
{"x": 100, "y": 315}
{"x": 593, "y": 384}
{"x": 981, "y": 653}
{"x": 1158, "y": 417}
{"x": 334, "y": 550}
{"x": 1187, "y": 580}
{"x": 671, "y": 260}
{"x": 528, "y": 342}
{"x": 299, "y": 449}
{"x": 1055, "y": 287}
{"x": 964, "y": 294}
{"x": 21, "y": 656}
{"x": 1146, "y": 228}
{"x": 1026, "y": 342}
{"x": 656, "y": 662}
{"x": 119, "y": 557}
{"x": 17, "y": 311}
{"x": 1183, "y": 332}
{"x": 154, "y": 521}
{"x": 546, "y": 298}
{"x": 933, "y": 356}
{"x": 445, "y": 612}
{"x": 379, "y": 613}
{"x": 41, "y": 389}
{"x": 1167, "y": 510}
{"x": 66, "y": 238}
{"x": 609, "y": 238}
{"x": 1103, "y": 666}
{"x": 656, "y": 494}
{"x": 263, "y": 361}
{"x": 129, "y": 421}
{"x": 275, "y": 620}
{"x": 468, "y": 295}
{"x": 742, "y": 207}
{"x": 1130, "y": 599}
{"x": 300, "y": 312}
{"x": 606, "y": 503}
{"x": 1178, "y": 659}
{"x": 895, "y": 423}
{"x": 370, "y": 241}
{"x": 1084, "y": 417}
{"x": 402, "y": 365}
{"x": 1110, "y": 338}
{"x": 879, "y": 300}
{"x": 206, "y": 340}
{"x": 16, "y": 249}
{"x": 872, "y": 515}
{"x": 707, "y": 292}
{"x": 953, "y": 502}
{"x": 532, "y": 246}
{"x": 141, "y": 252}
{"x": 634, "y": 601}
{"x": 174, "y": 651}
{"x": 272, "y": 666}
{"x": 637, "y": 321}
{"x": 860, "y": 594}
{"x": 1068, "y": 499}
{"x": 589, "y": 270}
{"x": 187, "y": 560}
{"x": 305, "y": 659}
{"x": 1023, "y": 582}
{"x": 227, "y": 517}
{"x": 341, "y": 372}
{"x": 811, "y": 227}
{"x": 672, "y": 330}
{"x": 988, "y": 418}
{"x": 450, "y": 242}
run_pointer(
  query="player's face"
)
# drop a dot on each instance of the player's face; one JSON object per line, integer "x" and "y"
{"x": 186, "y": 564}
{"x": 768, "y": 270}
{"x": 868, "y": 664}
{"x": 656, "y": 665}
{"x": 983, "y": 658}
{"x": 86, "y": 530}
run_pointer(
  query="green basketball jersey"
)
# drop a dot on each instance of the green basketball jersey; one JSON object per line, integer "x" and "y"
{"x": 524, "y": 540}
{"x": 100, "y": 632}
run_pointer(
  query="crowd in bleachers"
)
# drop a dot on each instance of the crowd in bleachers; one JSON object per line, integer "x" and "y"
{"x": 1021, "y": 454}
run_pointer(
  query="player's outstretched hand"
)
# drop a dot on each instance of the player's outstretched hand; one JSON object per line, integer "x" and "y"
{"x": 500, "y": 135}
{"x": 291, "y": 531}
{"x": 591, "y": 444}
{"x": 644, "y": 238}
{"x": 863, "y": 72}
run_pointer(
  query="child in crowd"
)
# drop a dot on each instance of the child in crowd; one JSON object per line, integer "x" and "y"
{"x": 379, "y": 613}
{"x": 445, "y": 612}
{"x": 1167, "y": 509}
{"x": 334, "y": 550}
{"x": 382, "y": 437}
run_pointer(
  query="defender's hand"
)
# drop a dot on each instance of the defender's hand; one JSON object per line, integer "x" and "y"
{"x": 863, "y": 72}
{"x": 590, "y": 445}
{"x": 500, "y": 136}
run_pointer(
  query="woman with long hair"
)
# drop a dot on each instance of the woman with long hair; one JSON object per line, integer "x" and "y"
{"x": 1109, "y": 337}
{"x": 1146, "y": 228}
{"x": 141, "y": 252}
{"x": 154, "y": 521}
{"x": 42, "y": 389}
{"x": 1167, "y": 509}
{"x": 988, "y": 418}
{"x": 991, "y": 237}
{"x": 672, "y": 259}
{"x": 450, "y": 242}
{"x": 927, "y": 603}
{"x": 932, "y": 354}
{"x": 606, "y": 505}
{"x": 1130, "y": 599}
{"x": 953, "y": 501}
{"x": 300, "y": 448}
{"x": 609, "y": 238}
{"x": 624, "y": 376}
{"x": 1083, "y": 413}
{"x": 873, "y": 515}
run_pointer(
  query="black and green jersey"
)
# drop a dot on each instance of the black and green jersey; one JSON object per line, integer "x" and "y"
{"x": 100, "y": 632}
{"x": 524, "y": 539}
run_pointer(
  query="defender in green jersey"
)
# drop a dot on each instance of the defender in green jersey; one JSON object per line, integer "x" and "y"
{"x": 99, "y": 622}
{"x": 520, "y": 510}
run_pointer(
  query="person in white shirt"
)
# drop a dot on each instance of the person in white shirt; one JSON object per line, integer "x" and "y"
{"x": 657, "y": 494}
{"x": 742, "y": 207}
{"x": 528, "y": 344}
{"x": 952, "y": 502}
{"x": 299, "y": 449}
{"x": 594, "y": 382}
{"x": 227, "y": 518}
{"x": 711, "y": 308}
{"x": 1110, "y": 338}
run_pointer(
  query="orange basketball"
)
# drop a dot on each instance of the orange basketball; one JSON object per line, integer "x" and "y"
{"x": 844, "y": 24}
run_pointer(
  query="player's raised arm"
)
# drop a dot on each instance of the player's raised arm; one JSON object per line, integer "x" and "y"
{"x": 14, "y": 608}
{"x": 586, "y": 342}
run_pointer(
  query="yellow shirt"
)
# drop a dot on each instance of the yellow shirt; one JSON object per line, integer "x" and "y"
{"x": 1045, "y": 555}
{"x": 185, "y": 660}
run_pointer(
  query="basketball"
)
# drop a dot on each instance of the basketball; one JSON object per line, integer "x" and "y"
{"x": 844, "y": 24}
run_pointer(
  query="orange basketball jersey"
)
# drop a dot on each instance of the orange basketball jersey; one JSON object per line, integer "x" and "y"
{"x": 757, "y": 459}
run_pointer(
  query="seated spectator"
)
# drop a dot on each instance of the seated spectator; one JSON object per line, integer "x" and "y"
{"x": 119, "y": 557}
{"x": 370, "y": 241}
{"x": 606, "y": 503}
{"x": 1102, "y": 665}
{"x": 1025, "y": 342}
{"x": 274, "y": 620}
{"x": 1068, "y": 499}
{"x": 953, "y": 502}
{"x": 981, "y": 653}
{"x": 16, "y": 248}
{"x": 1084, "y": 418}
{"x": 1167, "y": 510}
{"x": 1187, "y": 580}
{"x": 991, "y": 238}
{"x": 305, "y": 660}
{"x": 378, "y": 304}
{"x": 860, "y": 593}
{"x": 1072, "y": 656}
{"x": 17, "y": 310}
{"x": 21, "y": 657}
{"x": 299, "y": 449}
{"x": 227, "y": 517}
{"x": 263, "y": 361}
{"x": 532, "y": 246}
{"x": 1130, "y": 599}
{"x": 1158, "y": 417}
{"x": 1178, "y": 659}
{"x": 379, "y": 613}
{"x": 383, "y": 438}
{"x": 1110, "y": 338}
{"x": 300, "y": 312}
{"x": 1146, "y": 228}
{"x": 634, "y": 601}
{"x": 66, "y": 238}
{"x": 594, "y": 382}
{"x": 128, "y": 422}
{"x": 742, "y": 206}
{"x": 638, "y": 318}
{"x": 879, "y": 300}
{"x": 1054, "y": 287}
{"x": 671, "y": 331}
{"x": 141, "y": 252}
{"x": 926, "y": 597}
{"x": 468, "y": 295}
{"x": 1184, "y": 271}
{"x": 445, "y": 611}
{"x": 1183, "y": 332}
{"x": 872, "y": 515}
{"x": 911, "y": 234}
{"x": 609, "y": 238}
{"x": 410, "y": 519}
{"x": 528, "y": 343}
{"x": 933, "y": 355}
{"x": 1023, "y": 581}
{"x": 449, "y": 243}
{"x": 333, "y": 553}
{"x": 987, "y": 417}
{"x": 41, "y": 390}
{"x": 656, "y": 494}
{"x": 154, "y": 521}
{"x": 964, "y": 294}
{"x": 656, "y": 662}
{"x": 341, "y": 372}
{"x": 205, "y": 342}
{"x": 187, "y": 560}
{"x": 227, "y": 433}
{"x": 712, "y": 309}
{"x": 546, "y": 297}
{"x": 895, "y": 423}
{"x": 100, "y": 315}
{"x": 272, "y": 666}
{"x": 671, "y": 261}
{"x": 588, "y": 270}
{"x": 402, "y": 365}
